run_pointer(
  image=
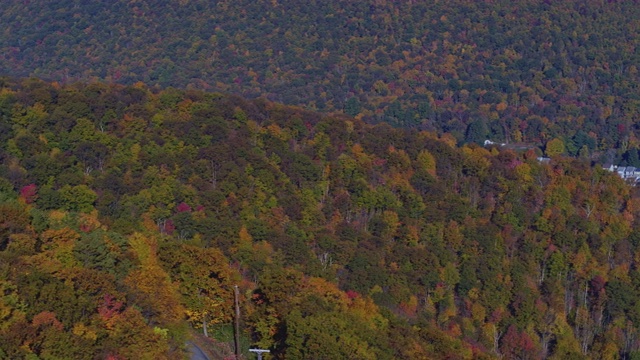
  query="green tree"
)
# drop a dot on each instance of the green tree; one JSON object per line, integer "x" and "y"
{"x": 477, "y": 132}
{"x": 352, "y": 107}
{"x": 554, "y": 147}
{"x": 77, "y": 198}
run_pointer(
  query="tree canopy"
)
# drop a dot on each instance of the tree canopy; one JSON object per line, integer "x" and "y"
{"x": 127, "y": 215}
{"x": 527, "y": 70}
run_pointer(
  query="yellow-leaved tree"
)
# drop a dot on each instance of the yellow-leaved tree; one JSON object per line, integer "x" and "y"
{"x": 204, "y": 282}
{"x": 149, "y": 284}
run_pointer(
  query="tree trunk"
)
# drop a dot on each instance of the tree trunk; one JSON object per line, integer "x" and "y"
{"x": 237, "y": 327}
{"x": 204, "y": 326}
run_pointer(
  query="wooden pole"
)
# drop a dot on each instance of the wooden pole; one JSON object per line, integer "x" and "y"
{"x": 236, "y": 338}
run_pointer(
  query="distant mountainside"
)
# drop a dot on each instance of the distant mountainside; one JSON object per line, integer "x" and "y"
{"x": 523, "y": 70}
{"x": 127, "y": 215}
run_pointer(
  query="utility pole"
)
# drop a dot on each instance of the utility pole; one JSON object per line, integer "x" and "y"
{"x": 259, "y": 352}
{"x": 236, "y": 338}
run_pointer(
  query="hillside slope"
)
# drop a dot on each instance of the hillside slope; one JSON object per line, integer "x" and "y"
{"x": 127, "y": 215}
{"x": 525, "y": 70}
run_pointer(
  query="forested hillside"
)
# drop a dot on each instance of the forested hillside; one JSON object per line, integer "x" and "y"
{"x": 127, "y": 215}
{"x": 524, "y": 70}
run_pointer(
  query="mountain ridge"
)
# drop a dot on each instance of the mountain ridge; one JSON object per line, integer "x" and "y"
{"x": 514, "y": 71}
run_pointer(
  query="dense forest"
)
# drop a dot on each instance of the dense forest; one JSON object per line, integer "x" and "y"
{"x": 127, "y": 215}
{"x": 512, "y": 71}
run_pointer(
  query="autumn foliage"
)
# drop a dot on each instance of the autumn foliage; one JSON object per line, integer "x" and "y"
{"x": 347, "y": 240}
